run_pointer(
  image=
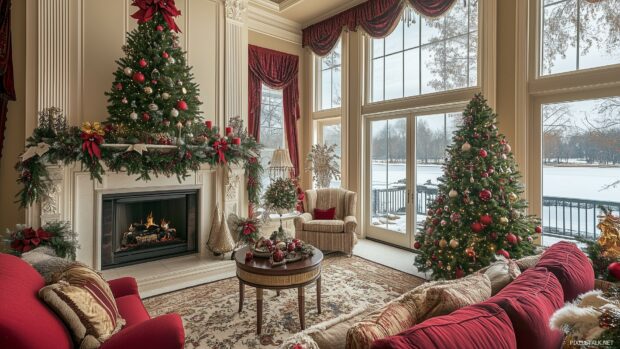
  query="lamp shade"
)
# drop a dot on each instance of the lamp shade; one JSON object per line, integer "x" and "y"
{"x": 280, "y": 164}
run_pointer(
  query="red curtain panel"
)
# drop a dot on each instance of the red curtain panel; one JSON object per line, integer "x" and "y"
{"x": 376, "y": 17}
{"x": 277, "y": 70}
{"x": 7, "y": 86}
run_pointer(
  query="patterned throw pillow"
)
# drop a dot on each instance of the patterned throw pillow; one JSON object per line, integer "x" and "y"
{"x": 423, "y": 302}
{"x": 84, "y": 301}
{"x": 501, "y": 273}
{"x": 45, "y": 261}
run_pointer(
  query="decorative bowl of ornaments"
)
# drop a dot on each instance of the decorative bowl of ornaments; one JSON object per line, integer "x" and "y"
{"x": 281, "y": 252}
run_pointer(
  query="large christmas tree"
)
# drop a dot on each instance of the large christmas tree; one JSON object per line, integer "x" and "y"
{"x": 478, "y": 212}
{"x": 153, "y": 97}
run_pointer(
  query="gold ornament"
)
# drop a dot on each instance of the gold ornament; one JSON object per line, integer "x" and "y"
{"x": 443, "y": 243}
{"x": 503, "y": 220}
{"x": 93, "y": 129}
{"x": 512, "y": 197}
{"x": 453, "y": 193}
{"x": 466, "y": 146}
{"x": 448, "y": 267}
{"x": 609, "y": 240}
{"x": 454, "y": 243}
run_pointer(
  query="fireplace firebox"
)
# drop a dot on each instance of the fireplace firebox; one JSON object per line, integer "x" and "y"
{"x": 140, "y": 227}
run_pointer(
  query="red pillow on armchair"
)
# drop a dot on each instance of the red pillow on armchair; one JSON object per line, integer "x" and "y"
{"x": 328, "y": 214}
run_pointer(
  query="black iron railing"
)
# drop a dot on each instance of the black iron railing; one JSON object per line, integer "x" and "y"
{"x": 563, "y": 217}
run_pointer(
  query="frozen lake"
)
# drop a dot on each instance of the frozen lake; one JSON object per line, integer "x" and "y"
{"x": 567, "y": 182}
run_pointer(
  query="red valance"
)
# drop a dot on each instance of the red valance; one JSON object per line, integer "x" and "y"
{"x": 376, "y": 17}
{"x": 279, "y": 71}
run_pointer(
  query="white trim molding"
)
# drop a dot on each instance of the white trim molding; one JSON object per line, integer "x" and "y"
{"x": 267, "y": 20}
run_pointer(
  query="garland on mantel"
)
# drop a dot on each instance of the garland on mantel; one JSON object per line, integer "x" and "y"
{"x": 94, "y": 146}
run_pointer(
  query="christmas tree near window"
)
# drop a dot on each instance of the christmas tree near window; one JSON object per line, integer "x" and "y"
{"x": 478, "y": 212}
{"x": 153, "y": 97}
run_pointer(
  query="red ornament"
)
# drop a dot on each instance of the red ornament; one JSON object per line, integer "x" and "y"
{"x": 439, "y": 211}
{"x": 538, "y": 229}
{"x": 484, "y": 175}
{"x": 165, "y": 55}
{"x": 435, "y": 221}
{"x": 146, "y": 117}
{"x": 182, "y": 105}
{"x": 278, "y": 256}
{"x": 417, "y": 245}
{"x": 493, "y": 236}
{"x": 249, "y": 256}
{"x": 503, "y": 253}
{"x": 159, "y": 28}
{"x": 482, "y": 153}
{"x": 268, "y": 242}
{"x": 154, "y": 82}
{"x": 143, "y": 63}
{"x": 119, "y": 86}
{"x": 486, "y": 219}
{"x": 512, "y": 239}
{"x": 459, "y": 273}
{"x": 614, "y": 270}
{"x": 290, "y": 247}
{"x": 188, "y": 154}
{"x": 476, "y": 227}
{"x": 485, "y": 195}
{"x": 138, "y": 77}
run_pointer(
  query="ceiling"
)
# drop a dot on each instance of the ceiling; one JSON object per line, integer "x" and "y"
{"x": 306, "y": 12}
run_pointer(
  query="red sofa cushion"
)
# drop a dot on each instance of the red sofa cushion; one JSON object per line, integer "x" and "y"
{"x": 530, "y": 301}
{"x": 479, "y": 326}
{"x": 572, "y": 268}
{"x": 25, "y": 321}
{"x": 328, "y": 214}
{"x": 132, "y": 310}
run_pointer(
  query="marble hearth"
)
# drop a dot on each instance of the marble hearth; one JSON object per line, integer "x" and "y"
{"x": 76, "y": 198}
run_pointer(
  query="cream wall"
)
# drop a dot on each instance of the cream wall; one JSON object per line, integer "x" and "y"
{"x": 15, "y": 132}
{"x": 64, "y": 54}
{"x": 303, "y": 134}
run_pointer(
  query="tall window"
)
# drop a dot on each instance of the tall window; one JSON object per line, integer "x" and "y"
{"x": 330, "y": 132}
{"x": 579, "y": 34}
{"x": 272, "y": 135}
{"x": 329, "y": 77}
{"x": 426, "y": 55}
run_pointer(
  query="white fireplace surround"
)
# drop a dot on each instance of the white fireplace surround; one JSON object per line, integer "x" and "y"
{"x": 76, "y": 198}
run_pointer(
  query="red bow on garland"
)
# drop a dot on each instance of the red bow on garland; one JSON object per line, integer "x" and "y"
{"x": 248, "y": 228}
{"x": 92, "y": 136}
{"x": 148, "y": 9}
{"x": 220, "y": 147}
{"x": 31, "y": 239}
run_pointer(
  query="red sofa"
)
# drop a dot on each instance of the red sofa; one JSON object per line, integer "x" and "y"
{"x": 516, "y": 317}
{"x": 27, "y": 323}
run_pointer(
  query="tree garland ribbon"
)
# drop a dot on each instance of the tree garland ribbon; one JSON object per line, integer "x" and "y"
{"x": 148, "y": 9}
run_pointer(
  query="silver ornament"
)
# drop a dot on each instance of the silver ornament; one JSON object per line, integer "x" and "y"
{"x": 153, "y": 107}
{"x": 165, "y": 95}
{"x": 171, "y": 60}
{"x": 128, "y": 71}
{"x": 148, "y": 90}
{"x": 133, "y": 116}
{"x": 184, "y": 90}
{"x": 174, "y": 113}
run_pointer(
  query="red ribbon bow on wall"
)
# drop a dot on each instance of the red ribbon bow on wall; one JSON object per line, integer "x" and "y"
{"x": 220, "y": 147}
{"x": 32, "y": 238}
{"x": 148, "y": 9}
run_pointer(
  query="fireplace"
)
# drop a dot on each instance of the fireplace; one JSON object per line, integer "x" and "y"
{"x": 140, "y": 227}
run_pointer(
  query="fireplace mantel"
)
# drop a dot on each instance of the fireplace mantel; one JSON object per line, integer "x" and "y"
{"x": 76, "y": 198}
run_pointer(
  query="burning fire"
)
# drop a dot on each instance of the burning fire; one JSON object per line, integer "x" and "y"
{"x": 149, "y": 220}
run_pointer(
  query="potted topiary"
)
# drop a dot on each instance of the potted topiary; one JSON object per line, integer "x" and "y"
{"x": 280, "y": 197}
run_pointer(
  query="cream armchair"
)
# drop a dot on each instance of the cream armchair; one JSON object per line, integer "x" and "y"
{"x": 338, "y": 234}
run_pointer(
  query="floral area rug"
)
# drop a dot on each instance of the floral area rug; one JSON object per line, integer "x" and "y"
{"x": 212, "y": 321}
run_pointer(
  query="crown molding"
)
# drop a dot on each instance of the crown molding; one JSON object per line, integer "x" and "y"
{"x": 276, "y": 7}
{"x": 333, "y": 12}
{"x": 262, "y": 18}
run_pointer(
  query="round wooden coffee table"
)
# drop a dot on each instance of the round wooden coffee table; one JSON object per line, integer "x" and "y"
{"x": 258, "y": 273}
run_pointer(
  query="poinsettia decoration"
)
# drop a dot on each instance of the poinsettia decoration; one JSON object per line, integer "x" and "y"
{"x": 56, "y": 235}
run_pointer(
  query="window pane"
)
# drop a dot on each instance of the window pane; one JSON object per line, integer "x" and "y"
{"x": 332, "y": 135}
{"x": 377, "y": 79}
{"x": 326, "y": 89}
{"x": 600, "y": 33}
{"x": 271, "y": 126}
{"x": 433, "y": 134}
{"x": 412, "y": 33}
{"x": 394, "y": 76}
{"x": 377, "y": 48}
{"x": 449, "y": 51}
{"x": 394, "y": 41}
{"x": 559, "y": 37}
{"x": 433, "y": 64}
{"x": 579, "y": 34}
{"x": 412, "y": 72}
{"x": 336, "y": 77}
{"x": 388, "y": 174}
{"x": 581, "y": 153}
